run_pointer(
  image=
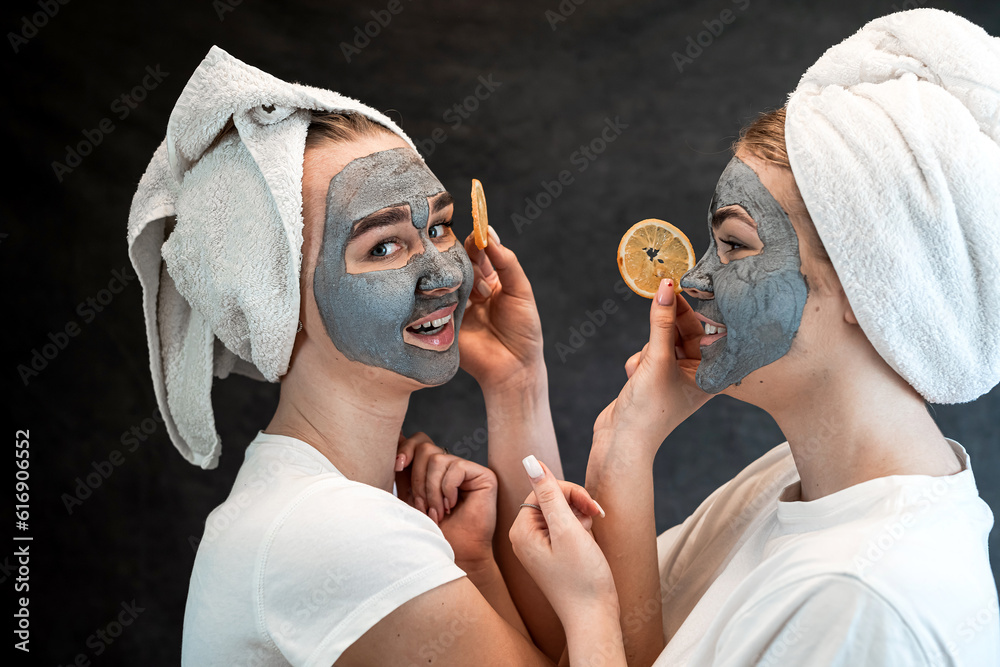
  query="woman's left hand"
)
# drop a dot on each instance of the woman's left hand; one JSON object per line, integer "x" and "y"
{"x": 501, "y": 336}
{"x": 458, "y": 495}
{"x": 661, "y": 391}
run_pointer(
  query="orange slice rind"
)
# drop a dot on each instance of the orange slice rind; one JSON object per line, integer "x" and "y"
{"x": 650, "y": 251}
{"x": 480, "y": 221}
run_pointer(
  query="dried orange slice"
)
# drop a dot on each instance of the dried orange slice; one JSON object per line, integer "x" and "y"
{"x": 480, "y": 222}
{"x": 650, "y": 251}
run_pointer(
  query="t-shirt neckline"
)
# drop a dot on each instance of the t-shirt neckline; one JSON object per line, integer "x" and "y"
{"x": 847, "y": 502}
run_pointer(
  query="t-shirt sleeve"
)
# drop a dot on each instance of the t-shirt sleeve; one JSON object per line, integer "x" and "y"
{"x": 824, "y": 621}
{"x": 336, "y": 562}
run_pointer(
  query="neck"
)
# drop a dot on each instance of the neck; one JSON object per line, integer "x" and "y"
{"x": 352, "y": 418}
{"x": 851, "y": 429}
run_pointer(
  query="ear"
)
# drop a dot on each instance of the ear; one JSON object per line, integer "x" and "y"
{"x": 849, "y": 312}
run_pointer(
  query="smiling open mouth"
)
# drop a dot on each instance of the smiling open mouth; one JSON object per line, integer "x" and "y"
{"x": 434, "y": 331}
{"x": 431, "y": 327}
{"x": 713, "y": 330}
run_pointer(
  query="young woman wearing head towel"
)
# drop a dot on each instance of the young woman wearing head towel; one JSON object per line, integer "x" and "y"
{"x": 288, "y": 232}
{"x": 853, "y": 273}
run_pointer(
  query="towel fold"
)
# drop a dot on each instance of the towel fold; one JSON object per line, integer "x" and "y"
{"x": 215, "y": 236}
{"x": 893, "y": 136}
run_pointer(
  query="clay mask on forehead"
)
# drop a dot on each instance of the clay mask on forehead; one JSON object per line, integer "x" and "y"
{"x": 365, "y": 313}
{"x": 758, "y": 298}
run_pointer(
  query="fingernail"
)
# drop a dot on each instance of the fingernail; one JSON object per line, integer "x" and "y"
{"x": 400, "y": 460}
{"x": 447, "y": 506}
{"x": 486, "y": 266}
{"x": 420, "y": 504}
{"x": 483, "y": 289}
{"x": 493, "y": 234}
{"x": 532, "y": 467}
{"x": 433, "y": 514}
{"x": 600, "y": 509}
{"x": 665, "y": 293}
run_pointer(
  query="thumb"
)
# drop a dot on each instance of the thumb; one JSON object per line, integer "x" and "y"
{"x": 662, "y": 314}
{"x": 556, "y": 511}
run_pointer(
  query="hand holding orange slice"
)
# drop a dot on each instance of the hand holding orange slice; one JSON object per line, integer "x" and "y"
{"x": 480, "y": 222}
{"x": 650, "y": 251}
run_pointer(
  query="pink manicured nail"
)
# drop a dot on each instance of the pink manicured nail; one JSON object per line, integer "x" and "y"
{"x": 484, "y": 289}
{"x": 665, "y": 292}
{"x": 600, "y": 509}
{"x": 433, "y": 514}
{"x": 447, "y": 506}
{"x": 493, "y": 235}
{"x": 400, "y": 461}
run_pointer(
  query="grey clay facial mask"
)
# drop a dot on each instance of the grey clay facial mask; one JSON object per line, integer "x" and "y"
{"x": 759, "y": 298}
{"x": 365, "y": 313}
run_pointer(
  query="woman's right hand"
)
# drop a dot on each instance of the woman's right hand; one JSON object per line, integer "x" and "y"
{"x": 661, "y": 391}
{"x": 556, "y": 547}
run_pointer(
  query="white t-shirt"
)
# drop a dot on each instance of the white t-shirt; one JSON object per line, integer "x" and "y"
{"x": 893, "y": 571}
{"x": 300, "y": 561}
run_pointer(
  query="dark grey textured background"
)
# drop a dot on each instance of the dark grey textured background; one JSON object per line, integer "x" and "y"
{"x": 60, "y": 242}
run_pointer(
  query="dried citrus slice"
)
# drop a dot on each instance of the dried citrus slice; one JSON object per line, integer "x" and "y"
{"x": 480, "y": 222}
{"x": 650, "y": 251}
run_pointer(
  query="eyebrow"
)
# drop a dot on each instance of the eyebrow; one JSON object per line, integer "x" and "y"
{"x": 737, "y": 212}
{"x": 384, "y": 218}
{"x": 388, "y": 217}
{"x": 442, "y": 202}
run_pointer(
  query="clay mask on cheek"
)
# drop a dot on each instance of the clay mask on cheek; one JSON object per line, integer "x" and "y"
{"x": 365, "y": 313}
{"x": 759, "y": 298}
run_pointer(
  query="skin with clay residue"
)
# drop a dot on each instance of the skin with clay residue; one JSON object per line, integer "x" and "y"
{"x": 758, "y": 298}
{"x": 365, "y": 314}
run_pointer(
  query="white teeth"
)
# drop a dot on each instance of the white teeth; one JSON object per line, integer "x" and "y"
{"x": 433, "y": 324}
{"x": 711, "y": 329}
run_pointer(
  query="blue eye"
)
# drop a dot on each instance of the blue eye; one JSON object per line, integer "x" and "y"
{"x": 383, "y": 248}
{"x": 439, "y": 230}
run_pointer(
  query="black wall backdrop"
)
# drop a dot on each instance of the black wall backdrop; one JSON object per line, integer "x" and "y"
{"x": 505, "y": 92}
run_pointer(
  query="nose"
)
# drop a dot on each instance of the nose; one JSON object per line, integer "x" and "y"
{"x": 697, "y": 282}
{"x": 441, "y": 274}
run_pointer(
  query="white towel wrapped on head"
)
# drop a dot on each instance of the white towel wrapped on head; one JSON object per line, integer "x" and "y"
{"x": 894, "y": 140}
{"x": 221, "y": 290}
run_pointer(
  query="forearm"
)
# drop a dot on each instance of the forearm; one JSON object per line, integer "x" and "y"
{"x": 595, "y": 638}
{"x": 620, "y": 477}
{"x": 520, "y": 423}
{"x": 489, "y": 581}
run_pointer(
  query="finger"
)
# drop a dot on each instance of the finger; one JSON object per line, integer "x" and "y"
{"x": 406, "y": 447}
{"x": 661, "y": 321}
{"x": 418, "y": 472}
{"x": 558, "y": 515}
{"x": 480, "y": 288}
{"x": 632, "y": 364}
{"x": 474, "y": 252}
{"x": 401, "y": 458}
{"x": 581, "y": 500}
{"x": 690, "y": 329}
{"x": 451, "y": 482}
{"x": 403, "y": 490}
{"x": 508, "y": 268}
{"x": 437, "y": 466}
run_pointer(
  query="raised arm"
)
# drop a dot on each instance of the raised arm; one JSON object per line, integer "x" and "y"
{"x": 501, "y": 346}
{"x": 658, "y": 396}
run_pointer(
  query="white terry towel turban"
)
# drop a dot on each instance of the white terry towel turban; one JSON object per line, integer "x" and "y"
{"x": 894, "y": 141}
{"x": 221, "y": 290}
